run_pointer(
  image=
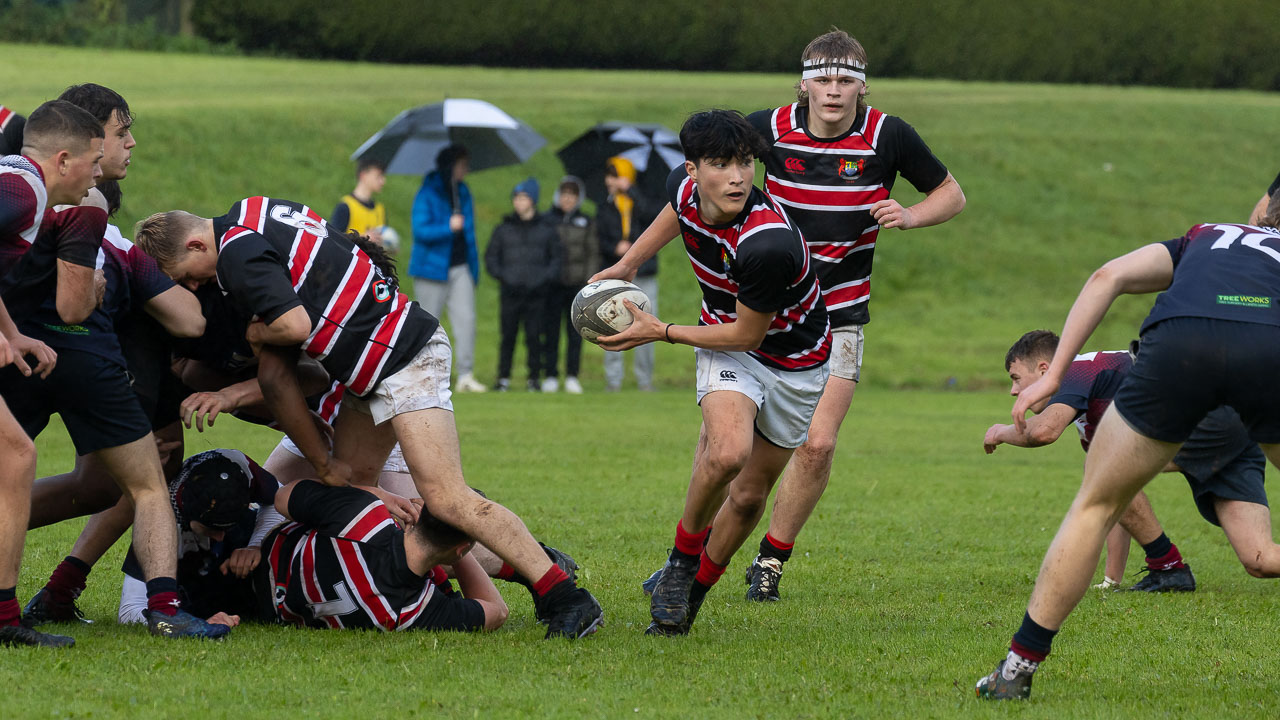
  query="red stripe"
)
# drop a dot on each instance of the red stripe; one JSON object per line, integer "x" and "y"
{"x": 845, "y": 294}
{"x": 309, "y": 586}
{"x": 718, "y": 283}
{"x": 826, "y": 198}
{"x": 305, "y": 249}
{"x": 232, "y": 234}
{"x": 874, "y": 117}
{"x": 349, "y": 556}
{"x": 328, "y": 410}
{"x": 348, "y": 296}
{"x": 380, "y": 342}
{"x": 251, "y": 213}
{"x": 371, "y": 520}
{"x": 5, "y": 115}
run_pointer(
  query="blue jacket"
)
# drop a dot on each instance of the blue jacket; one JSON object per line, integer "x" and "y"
{"x": 432, "y": 239}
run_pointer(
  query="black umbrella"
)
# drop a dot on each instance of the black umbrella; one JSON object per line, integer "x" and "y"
{"x": 409, "y": 143}
{"x": 652, "y": 148}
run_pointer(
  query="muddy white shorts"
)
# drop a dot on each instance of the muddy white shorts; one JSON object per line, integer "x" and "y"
{"x": 785, "y": 401}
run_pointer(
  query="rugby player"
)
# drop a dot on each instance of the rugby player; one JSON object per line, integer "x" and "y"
{"x": 1211, "y": 339}
{"x": 335, "y": 296}
{"x": 762, "y": 345}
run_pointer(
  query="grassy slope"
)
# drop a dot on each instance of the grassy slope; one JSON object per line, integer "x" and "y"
{"x": 924, "y": 550}
{"x": 948, "y": 301}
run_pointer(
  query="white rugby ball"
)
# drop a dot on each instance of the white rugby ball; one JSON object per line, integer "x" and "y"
{"x": 390, "y": 239}
{"x": 598, "y": 308}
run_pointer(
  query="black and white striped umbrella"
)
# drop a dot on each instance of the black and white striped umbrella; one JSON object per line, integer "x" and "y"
{"x": 653, "y": 149}
{"x": 409, "y": 143}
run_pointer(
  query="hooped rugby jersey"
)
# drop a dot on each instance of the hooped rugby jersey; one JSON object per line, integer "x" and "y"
{"x": 275, "y": 255}
{"x": 759, "y": 258}
{"x": 23, "y": 201}
{"x": 341, "y": 564}
{"x": 1224, "y": 271}
{"x": 828, "y": 185}
{"x": 1089, "y": 386}
{"x": 72, "y": 235}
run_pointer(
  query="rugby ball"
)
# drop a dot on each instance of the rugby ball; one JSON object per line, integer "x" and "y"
{"x": 598, "y": 309}
{"x": 390, "y": 239}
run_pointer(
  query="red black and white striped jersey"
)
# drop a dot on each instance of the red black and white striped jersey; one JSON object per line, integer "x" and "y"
{"x": 341, "y": 564}
{"x": 828, "y": 186}
{"x": 275, "y": 255}
{"x": 23, "y": 200}
{"x": 11, "y": 126}
{"x": 759, "y": 259}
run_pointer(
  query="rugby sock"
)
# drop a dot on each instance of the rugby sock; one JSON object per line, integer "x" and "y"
{"x": 549, "y": 581}
{"x": 697, "y": 592}
{"x": 709, "y": 571}
{"x": 508, "y": 573}
{"x": 688, "y": 543}
{"x": 10, "y": 613}
{"x": 1162, "y": 554}
{"x": 68, "y": 580}
{"x": 1029, "y": 648}
{"x": 774, "y": 548}
{"x": 162, "y": 596}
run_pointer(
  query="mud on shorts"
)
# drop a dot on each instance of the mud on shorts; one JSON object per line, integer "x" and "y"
{"x": 785, "y": 400}
{"x": 420, "y": 385}
{"x": 846, "y": 352}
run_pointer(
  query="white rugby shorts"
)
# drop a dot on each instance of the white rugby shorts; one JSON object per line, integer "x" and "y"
{"x": 785, "y": 401}
{"x": 846, "y": 352}
{"x": 420, "y": 385}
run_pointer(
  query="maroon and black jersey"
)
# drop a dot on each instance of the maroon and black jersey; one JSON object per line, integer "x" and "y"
{"x": 828, "y": 186}
{"x": 1089, "y": 386}
{"x": 758, "y": 258}
{"x": 23, "y": 201}
{"x": 341, "y": 564}
{"x": 11, "y": 125}
{"x": 275, "y": 255}
{"x": 1223, "y": 271}
{"x": 72, "y": 235}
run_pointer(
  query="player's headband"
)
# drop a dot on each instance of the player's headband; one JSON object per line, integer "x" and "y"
{"x": 820, "y": 67}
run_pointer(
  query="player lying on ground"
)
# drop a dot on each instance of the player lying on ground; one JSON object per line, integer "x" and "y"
{"x": 763, "y": 342}
{"x": 323, "y": 293}
{"x": 1086, "y": 393}
{"x": 1212, "y": 339}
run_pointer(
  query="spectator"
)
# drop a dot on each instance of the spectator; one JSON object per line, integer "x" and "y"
{"x": 359, "y": 210}
{"x": 619, "y": 221}
{"x": 445, "y": 264}
{"x": 524, "y": 257}
{"x": 581, "y": 253}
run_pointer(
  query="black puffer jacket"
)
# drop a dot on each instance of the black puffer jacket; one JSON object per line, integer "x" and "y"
{"x": 609, "y": 228}
{"x": 524, "y": 254}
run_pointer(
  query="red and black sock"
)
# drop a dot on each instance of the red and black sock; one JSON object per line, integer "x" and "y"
{"x": 1032, "y": 641}
{"x": 690, "y": 544}
{"x": 553, "y": 577}
{"x": 10, "y": 613}
{"x": 1162, "y": 554}
{"x": 773, "y": 548}
{"x": 508, "y": 573}
{"x": 162, "y": 596}
{"x": 68, "y": 580}
{"x": 709, "y": 571}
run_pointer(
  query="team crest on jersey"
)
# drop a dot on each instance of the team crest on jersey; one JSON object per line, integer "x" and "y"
{"x": 382, "y": 291}
{"x": 850, "y": 169}
{"x": 724, "y": 257}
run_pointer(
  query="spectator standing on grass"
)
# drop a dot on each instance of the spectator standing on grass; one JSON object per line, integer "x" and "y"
{"x": 581, "y": 253}
{"x": 619, "y": 221}
{"x": 445, "y": 264}
{"x": 524, "y": 256}
{"x": 359, "y": 210}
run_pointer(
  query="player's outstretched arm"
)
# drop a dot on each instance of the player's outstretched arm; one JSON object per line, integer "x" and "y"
{"x": 661, "y": 231}
{"x": 476, "y": 585}
{"x": 1043, "y": 429}
{"x": 178, "y": 311}
{"x": 1145, "y": 270}
{"x": 745, "y": 333}
{"x": 938, "y": 206}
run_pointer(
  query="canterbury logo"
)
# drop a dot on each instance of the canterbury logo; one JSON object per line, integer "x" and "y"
{"x": 794, "y": 165}
{"x": 728, "y": 375}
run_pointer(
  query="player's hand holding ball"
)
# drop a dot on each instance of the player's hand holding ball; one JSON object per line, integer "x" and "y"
{"x": 611, "y": 308}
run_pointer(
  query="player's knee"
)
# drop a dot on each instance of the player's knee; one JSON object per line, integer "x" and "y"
{"x": 748, "y": 503}
{"x": 725, "y": 462}
{"x": 818, "y": 450}
{"x": 20, "y": 455}
{"x": 1260, "y": 565}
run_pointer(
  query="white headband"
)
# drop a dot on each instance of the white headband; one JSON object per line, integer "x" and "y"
{"x": 847, "y": 66}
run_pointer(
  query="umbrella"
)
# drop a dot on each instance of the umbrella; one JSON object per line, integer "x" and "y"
{"x": 409, "y": 143}
{"x": 653, "y": 149}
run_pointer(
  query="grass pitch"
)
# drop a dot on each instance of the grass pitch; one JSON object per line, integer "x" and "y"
{"x": 916, "y": 568}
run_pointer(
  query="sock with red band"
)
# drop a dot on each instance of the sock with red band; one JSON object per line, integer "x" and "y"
{"x": 1033, "y": 641}
{"x": 162, "y": 596}
{"x": 68, "y": 580}
{"x": 1162, "y": 554}
{"x": 506, "y": 572}
{"x": 10, "y": 613}
{"x": 709, "y": 571}
{"x": 549, "y": 581}
{"x": 774, "y": 548}
{"x": 688, "y": 543}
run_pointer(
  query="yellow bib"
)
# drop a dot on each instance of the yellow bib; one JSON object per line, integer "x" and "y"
{"x": 364, "y": 218}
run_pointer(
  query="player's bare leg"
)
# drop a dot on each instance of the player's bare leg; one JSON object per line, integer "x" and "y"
{"x": 1118, "y": 541}
{"x": 56, "y": 601}
{"x": 1166, "y": 572}
{"x": 1248, "y": 528}
{"x": 87, "y": 489}
{"x": 429, "y": 441}
{"x": 136, "y": 468}
{"x": 287, "y": 467}
{"x": 741, "y": 511}
{"x": 362, "y": 445}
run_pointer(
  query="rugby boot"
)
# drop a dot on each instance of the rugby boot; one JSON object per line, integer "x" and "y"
{"x": 682, "y": 629}
{"x": 571, "y": 612}
{"x": 43, "y": 609}
{"x": 1174, "y": 580}
{"x": 652, "y": 581}
{"x": 184, "y": 625}
{"x": 762, "y": 579}
{"x": 997, "y": 687}
{"x": 565, "y": 563}
{"x": 669, "y": 605}
{"x": 23, "y": 636}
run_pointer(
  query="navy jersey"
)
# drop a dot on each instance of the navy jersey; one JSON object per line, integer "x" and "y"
{"x": 758, "y": 258}
{"x": 1089, "y": 386}
{"x": 342, "y": 564}
{"x": 275, "y": 255}
{"x": 828, "y": 186}
{"x": 1223, "y": 271}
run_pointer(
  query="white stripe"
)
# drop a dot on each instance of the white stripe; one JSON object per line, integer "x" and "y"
{"x": 856, "y": 301}
{"x": 828, "y": 208}
{"x": 37, "y": 186}
{"x": 341, "y": 322}
{"x": 875, "y": 139}
{"x": 356, "y": 521}
{"x": 759, "y": 228}
{"x": 421, "y": 603}
{"x": 850, "y": 284}
{"x": 377, "y": 371}
{"x": 821, "y": 188}
{"x": 368, "y": 576}
{"x": 773, "y": 123}
{"x": 824, "y": 150}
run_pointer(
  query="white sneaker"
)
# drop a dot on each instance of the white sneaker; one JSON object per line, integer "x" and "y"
{"x": 468, "y": 383}
{"x": 550, "y": 385}
{"x": 572, "y": 386}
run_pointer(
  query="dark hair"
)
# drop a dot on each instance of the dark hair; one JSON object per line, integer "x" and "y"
{"x": 11, "y": 137}
{"x": 1036, "y": 345}
{"x": 61, "y": 123}
{"x": 438, "y": 533}
{"x": 1271, "y": 218}
{"x": 366, "y": 163}
{"x": 100, "y": 101}
{"x": 110, "y": 190}
{"x": 211, "y": 489}
{"x": 377, "y": 255}
{"x": 449, "y": 155}
{"x": 720, "y": 135}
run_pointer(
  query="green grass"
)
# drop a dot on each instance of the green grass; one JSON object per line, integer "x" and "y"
{"x": 917, "y": 565}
